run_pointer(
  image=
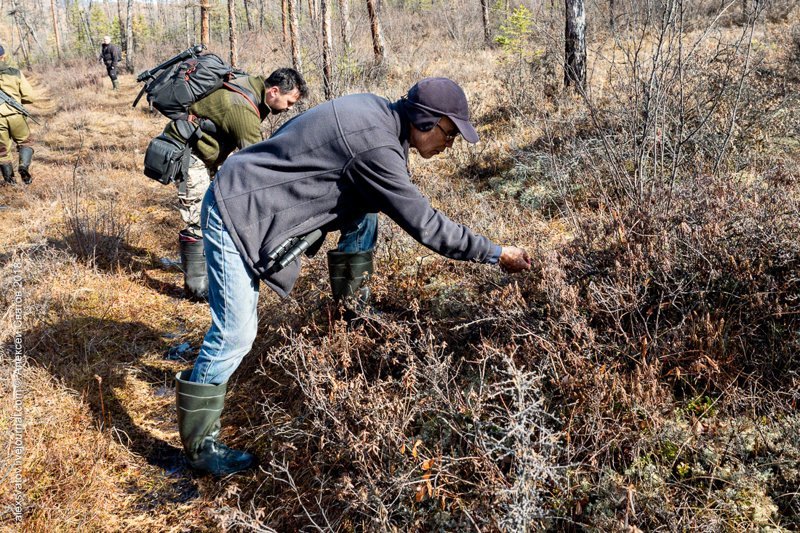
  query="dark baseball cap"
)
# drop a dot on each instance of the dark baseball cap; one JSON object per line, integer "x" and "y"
{"x": 433, "y": 98}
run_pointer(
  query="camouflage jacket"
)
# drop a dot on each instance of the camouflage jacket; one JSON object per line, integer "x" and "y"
{"x": 14, "y": 84}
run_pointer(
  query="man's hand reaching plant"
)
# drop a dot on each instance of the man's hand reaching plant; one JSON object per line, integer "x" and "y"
{"x": 513, "y": 259}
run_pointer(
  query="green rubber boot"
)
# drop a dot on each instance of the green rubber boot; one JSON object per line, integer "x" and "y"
{"x": 8, "y": 173}
{"x": 25, "y": 158}
{"x": 349, "y": 274}
{"x": 193, "y": 261}
{"x": 199, "y": 408}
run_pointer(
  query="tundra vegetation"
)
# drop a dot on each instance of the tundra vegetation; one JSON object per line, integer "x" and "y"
{"x": 644, "y": 375}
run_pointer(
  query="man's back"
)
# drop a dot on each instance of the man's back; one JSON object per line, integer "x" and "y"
{"x": 306, "y": 158}
{"x": 332, "y": 164}
{"x": 236, "y": 119}
{"x": 14, "y": 84}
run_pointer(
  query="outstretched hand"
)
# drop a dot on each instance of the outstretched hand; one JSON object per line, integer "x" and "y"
{"x": 513, "y": 259}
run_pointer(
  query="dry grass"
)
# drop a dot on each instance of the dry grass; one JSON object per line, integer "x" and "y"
{"x": 643, "y": 375}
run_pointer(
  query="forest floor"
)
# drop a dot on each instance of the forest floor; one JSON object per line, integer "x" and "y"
{"x": 105, "y": 326}
{"x": 350, "y": 425}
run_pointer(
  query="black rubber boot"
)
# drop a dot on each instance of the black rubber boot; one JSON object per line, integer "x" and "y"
{"x": 193, "y": 260}
{"x": 25, "y": 158}
{"x": 199, "y": 408}
{"x": 8, "y": 173}
{"x": 349, "y": 274}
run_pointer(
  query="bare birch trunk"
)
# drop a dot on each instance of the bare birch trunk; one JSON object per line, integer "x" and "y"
{"x": 187, "y": 10}
{"x": 378, "y": 47}
{"x": 129, "y": 63}
{"x": 234, "y": 55}
{"x": 327, "y": 71}
{"x": 575, "y": 45}
{"x": 344, "y": 13}
{"x": 294, "y": 35}
{"x": 487, "y": 38}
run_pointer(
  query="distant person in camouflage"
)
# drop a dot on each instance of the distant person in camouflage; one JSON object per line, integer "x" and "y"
{"x": 111, "y": 55}
{"x": 13, "y": 125}
{"x": 230, "y": 120}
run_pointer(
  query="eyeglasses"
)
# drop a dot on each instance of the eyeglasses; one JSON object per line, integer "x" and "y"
{"x": 448, "y": 136}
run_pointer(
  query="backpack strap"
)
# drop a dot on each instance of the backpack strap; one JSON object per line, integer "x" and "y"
{"x": 248, "y": 95}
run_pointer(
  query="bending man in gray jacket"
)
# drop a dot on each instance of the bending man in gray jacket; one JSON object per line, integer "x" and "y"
{"x": 330, "y": 168}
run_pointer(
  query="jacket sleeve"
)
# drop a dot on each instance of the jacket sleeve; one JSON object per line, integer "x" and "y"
{"x": 25, "y": 90}
{"x": 117, "y": 54}
{"x": 381, "y": 177}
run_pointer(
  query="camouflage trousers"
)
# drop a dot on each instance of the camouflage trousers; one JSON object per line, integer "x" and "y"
{"x": 13, "y": 128}
{"x": 190, "y": 195}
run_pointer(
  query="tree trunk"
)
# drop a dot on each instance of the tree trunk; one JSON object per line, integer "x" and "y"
{"x": 611, "y": 14}
{"x": 121, "y": 26}
{"x": 248, "y": 16}
{"x": 487, "y": 38}
{"x": 284, "y": 20}
{"x": 22, "y": 36}
{"x": 205, "y": 36}
{"x": 294, "y": 35}
{"x": 129, "y": 64}
{"x": 377, "y": 35}
{"x": 575, "y": 45}
{"x": 312, "y": 12}
{"x": 232, "y": 32}
{"x": 55, "y": 27}
{"x": 327, "y": 80}
{"x": 86, "y": 27}
{"x": 344, "y": 13}
{"x": 187, "y": 11}
{"x": 107, "y": 10}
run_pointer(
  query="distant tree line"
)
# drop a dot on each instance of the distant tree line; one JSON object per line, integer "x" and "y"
{"x": 47, "y": 30}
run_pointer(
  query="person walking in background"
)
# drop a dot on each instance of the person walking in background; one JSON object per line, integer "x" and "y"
{"x": 329, "y": 169}
{"x": 13, "y": 124}
{"x": 229, "y": 120}
{"x": 111, "y": 55}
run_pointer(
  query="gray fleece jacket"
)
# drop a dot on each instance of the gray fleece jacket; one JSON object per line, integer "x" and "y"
{"x": 336, "y": 162}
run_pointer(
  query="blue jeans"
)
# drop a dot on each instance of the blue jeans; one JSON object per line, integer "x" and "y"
{"x": 232, "y": 297}
{"x": 360, "y": 236}
{"x": 233, "y": 293}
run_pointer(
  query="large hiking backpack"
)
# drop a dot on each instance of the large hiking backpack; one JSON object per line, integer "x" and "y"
{"x": 171, "y": 88}
{"x": 180, "y": 81}
{"x": 177, "y": 88}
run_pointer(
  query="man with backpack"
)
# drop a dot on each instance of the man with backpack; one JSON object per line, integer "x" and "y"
{"x": 13, "y": 125}
{"x": 325, "y": 170}
{"x": 110, "y": 56}
{"x": 229, "y": 119}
